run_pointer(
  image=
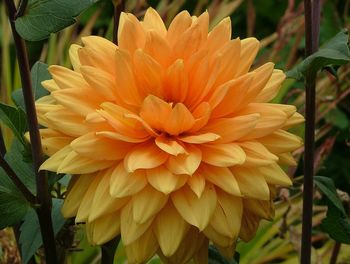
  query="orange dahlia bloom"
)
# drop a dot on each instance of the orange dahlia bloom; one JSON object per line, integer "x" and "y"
{"x": 169, "y": 137}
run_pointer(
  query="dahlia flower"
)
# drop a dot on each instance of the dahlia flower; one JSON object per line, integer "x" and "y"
{"x": 169, "y": 136}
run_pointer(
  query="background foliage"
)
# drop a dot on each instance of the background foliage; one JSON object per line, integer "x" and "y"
{"x": 279, "y": 25}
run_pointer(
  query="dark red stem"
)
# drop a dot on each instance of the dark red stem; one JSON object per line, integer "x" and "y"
{"x": 312, "y": 25}
{"x": 43, "y": 195}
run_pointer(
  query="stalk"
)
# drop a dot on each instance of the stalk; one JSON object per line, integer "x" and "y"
{"x": 119, "y": 6}
{"x": 312, "y": 25}
{"x": 43, "y": 195}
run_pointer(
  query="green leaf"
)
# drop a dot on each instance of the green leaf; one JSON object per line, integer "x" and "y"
{"x": 337, "y": 118}
{"x": 327, "y": 187}
{"x": 337, "y": 225}
{"x": 44, "y": 17}
{"x": 216, "y": 258}
{"x": 15, "y": 119}
{"x": 13, "y": 206}
{"x": 39, "y": 73}
{"x": 334, "y": 52}
{"x": 30, "y": 238}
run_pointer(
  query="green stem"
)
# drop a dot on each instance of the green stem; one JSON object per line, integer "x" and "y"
{"x": 312, "y": 24}
{"x": 43, "y": 196}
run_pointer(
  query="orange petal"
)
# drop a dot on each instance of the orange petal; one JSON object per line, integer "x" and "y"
{"x": 197, "y": 183}
{"x": 180, "y": 120}
{"x": 231, "y": 129}
{"x": 178, "y": 26}
{"x": 175, "y": 82}
{"x": 148, "y": 73}
{"x": 200, "y": 138}
{"x": 219, "y": 35}
{"x": 201, "y": 114}
{"x": 151, "y": 105}
{"x": 249, "y": 49}
{"x": 272, "y": 87}
{"x": 169, "y": 145}
{"x": 158, "y": 48}
{"x": 131, "y": 34}
{"x": 153, "y": 21}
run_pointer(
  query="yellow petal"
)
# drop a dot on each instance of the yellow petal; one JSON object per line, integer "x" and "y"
{"x": 281, "y": 141}
{"x": 274, "y": 174}
{"x": 147, "y": 203}
{"x": 76, "y": 190}
{"x": 185, "y": 163}
{"x": 67, "y": 122}
{"x": 222, "y": 155}
{"x": 100, "y": 81}
{"x": 73, "y": 100}
{"x": 221, "y": 177}
{"x": 196, "y": 211}
{"x": 153, "y": 21}
{"x": 251, "y": 183}
{"x": 89, "y": 56}
{"x": 227, "y": 216}
{"x": 53, "y": 162}
{"x": 257, "y": 154}
{"x": 50, "y": 85}
{"x": 103, "y": 229}
{"x": 103, "y": 204}
{"x": 144, "y": 156}
{"x": 75, "y": 163}
{"x": 263, "y": 209}
{"x": 86, "y": 200}
{"x": 165, "y": 181}
{"x": 216, "y": 237}
{"x": 66, "y": 78}
{"x": 123, "y": 183}
{"x": 141, "y": 250}
{"x": 294, "y": 120}
{"x": 74, "y": 57}
{"x": 197, "y": 183}
{"x": 101, "y": 148}
{"x": 170, "y": 229}
{"x": 286, "y": 159}
{"x": 130, "y": 229}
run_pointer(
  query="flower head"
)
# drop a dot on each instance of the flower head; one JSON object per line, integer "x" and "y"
{"x": 169, "y": 136}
